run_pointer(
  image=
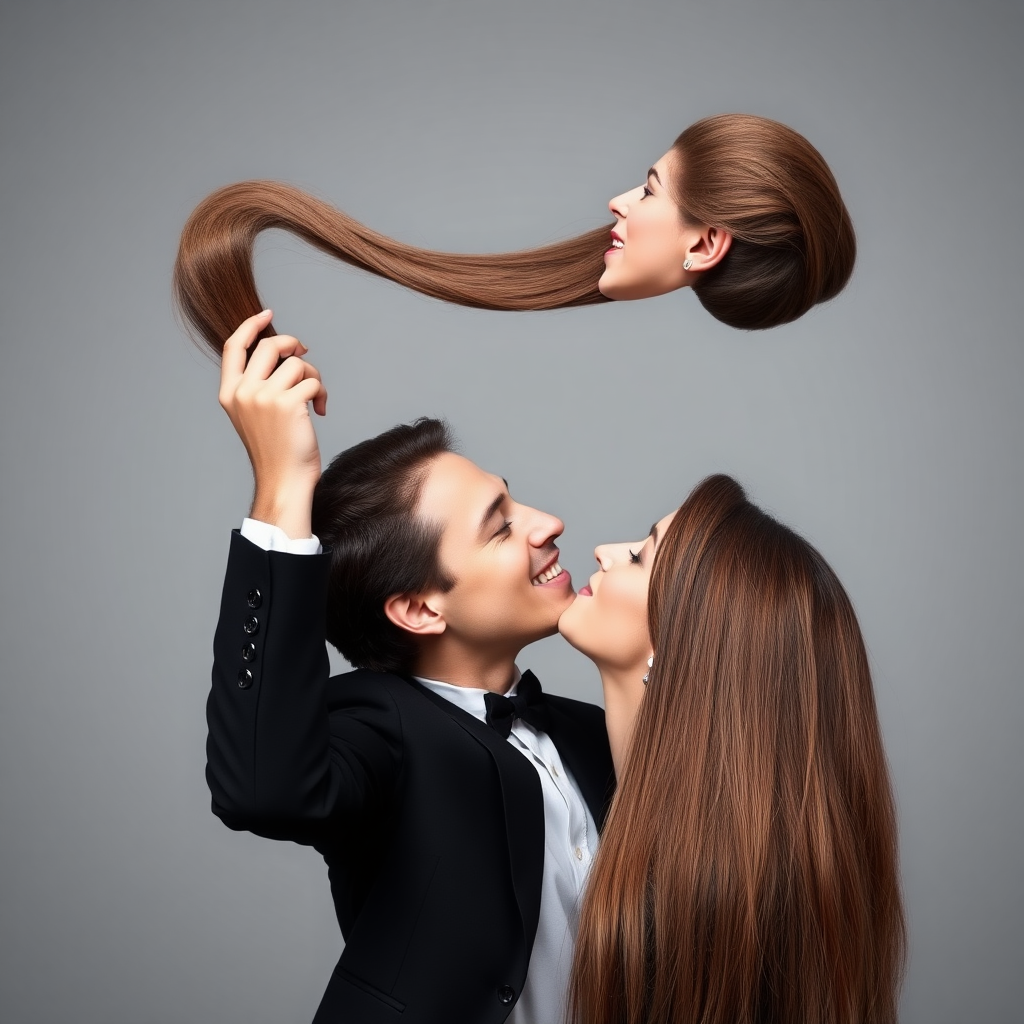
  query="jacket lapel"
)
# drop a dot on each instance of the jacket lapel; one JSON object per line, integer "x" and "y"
{"x": 583, "y": 747}
{"x": 523, "y": 803}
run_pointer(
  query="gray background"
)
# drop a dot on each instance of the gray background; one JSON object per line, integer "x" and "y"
{"x": 886, "y": 426}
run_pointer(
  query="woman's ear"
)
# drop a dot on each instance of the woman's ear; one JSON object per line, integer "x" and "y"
{"x": 415, "y": 613}
{"x": 707, "y": 248}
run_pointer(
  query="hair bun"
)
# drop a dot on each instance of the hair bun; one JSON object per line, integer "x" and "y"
{"x": 793, "y": 242}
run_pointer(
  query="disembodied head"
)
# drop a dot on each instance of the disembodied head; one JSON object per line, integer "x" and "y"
{"x": 746, "y": 212}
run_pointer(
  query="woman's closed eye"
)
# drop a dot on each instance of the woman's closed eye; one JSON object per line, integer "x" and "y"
{"x": 634, "y": 557}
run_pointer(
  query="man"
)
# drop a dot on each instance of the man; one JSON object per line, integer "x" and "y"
{"x": 457, "y": 824}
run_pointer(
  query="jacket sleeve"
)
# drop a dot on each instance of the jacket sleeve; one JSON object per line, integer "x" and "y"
{"x": 278, "y": 763}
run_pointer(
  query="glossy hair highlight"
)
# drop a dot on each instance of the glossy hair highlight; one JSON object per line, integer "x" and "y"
{"x": 748, "y": 870}
{"x": 215, "y": 287}
{"x": 793, "y": 243}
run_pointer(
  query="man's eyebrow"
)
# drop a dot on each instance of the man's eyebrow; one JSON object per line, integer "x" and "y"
{"x": 492, "y": 508}
{"x": 652, "y": 173}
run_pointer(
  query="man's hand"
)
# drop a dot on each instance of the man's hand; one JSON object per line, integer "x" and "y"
{"x": 268, "y": 405}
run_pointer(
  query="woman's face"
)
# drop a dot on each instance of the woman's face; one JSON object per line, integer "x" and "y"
{"x": 649, "y": 240}
{"x": 608, "y": 619}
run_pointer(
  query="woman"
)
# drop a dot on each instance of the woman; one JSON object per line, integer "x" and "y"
{"x": 742, "y": 209}
{"x": 748, "y": 867}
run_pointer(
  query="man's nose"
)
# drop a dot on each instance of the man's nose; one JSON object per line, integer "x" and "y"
{"x": 544, "y": 529}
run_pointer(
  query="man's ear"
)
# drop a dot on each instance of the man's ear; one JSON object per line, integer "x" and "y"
{"x": 707, "y": 247}
{"x": 418, "y": 614}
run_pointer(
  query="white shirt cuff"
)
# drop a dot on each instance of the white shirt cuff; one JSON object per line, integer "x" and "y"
{"x": 273, "y": 538}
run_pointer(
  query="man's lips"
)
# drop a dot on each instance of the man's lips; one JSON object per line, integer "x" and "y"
{"x": 551, "y": 575}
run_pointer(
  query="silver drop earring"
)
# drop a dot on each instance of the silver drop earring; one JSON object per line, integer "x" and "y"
{"x": 650, "y": 665}
{"x": 687, "y": 264}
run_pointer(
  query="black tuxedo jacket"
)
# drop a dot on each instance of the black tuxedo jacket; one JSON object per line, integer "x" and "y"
{"x": 431, "y": 824}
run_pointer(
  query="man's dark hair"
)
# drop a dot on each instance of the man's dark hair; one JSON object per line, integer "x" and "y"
{"x": 364, "y": 512}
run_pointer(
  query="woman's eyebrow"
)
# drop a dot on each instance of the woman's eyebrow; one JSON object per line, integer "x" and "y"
{"x": 654, "y": 533}
{"x": 652, "y": 173}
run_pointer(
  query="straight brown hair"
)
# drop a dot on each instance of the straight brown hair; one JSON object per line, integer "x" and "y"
{"x": 748, "y": 872}
{"x": 215, "y": 287}
{"x": 793, "y": 243}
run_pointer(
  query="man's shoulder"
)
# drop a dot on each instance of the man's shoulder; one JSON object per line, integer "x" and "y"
{"x": 578, "y": 710}
{"x": 344, "y": 688}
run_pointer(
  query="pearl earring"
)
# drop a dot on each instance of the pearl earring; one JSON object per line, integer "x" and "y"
{"x": 687, "y": 264}
{"x": 650, "y": 665}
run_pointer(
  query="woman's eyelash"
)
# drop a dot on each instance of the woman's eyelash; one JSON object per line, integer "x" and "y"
{"x": 647, "y": 192}
{"x": 634, "y": 557}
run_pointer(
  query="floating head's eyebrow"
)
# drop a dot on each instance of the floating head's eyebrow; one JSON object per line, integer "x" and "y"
{"x": 654, "y": 533}
{"x": 652, "y": 173}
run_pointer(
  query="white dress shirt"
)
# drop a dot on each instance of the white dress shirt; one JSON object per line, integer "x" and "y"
{"x": 570, "y": 842}
{"x": 570, "y": 833}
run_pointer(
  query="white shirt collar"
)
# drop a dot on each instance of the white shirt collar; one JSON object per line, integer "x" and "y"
{"x": 469, "y": 698}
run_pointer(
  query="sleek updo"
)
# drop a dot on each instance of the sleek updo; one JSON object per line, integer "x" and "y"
{"x": 793, "y": 243}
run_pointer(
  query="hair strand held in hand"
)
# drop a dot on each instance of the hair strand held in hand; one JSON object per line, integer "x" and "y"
{"x": 215, "y": 286}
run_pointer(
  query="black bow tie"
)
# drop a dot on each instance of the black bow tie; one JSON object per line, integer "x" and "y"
{"x": 527, "y": 704}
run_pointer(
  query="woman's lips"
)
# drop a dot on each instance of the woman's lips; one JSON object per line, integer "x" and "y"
{"x": 585, "y": 591}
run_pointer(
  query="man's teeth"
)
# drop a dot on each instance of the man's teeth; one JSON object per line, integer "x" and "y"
{"x": 617, "y": 243}
{"x": 548, "y": 575}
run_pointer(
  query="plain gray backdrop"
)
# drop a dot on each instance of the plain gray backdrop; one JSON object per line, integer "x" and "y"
{"x": 885, "y": 426}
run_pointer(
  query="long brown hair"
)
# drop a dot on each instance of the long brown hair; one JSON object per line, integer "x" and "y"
{"x": 757, "y": 178}
{"x": 747, "y": 873}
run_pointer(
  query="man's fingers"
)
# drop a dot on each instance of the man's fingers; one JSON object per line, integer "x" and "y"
{"x": 274, "y": 368}
{"x": 290, "y": 372}
{"x": 311, "y": 390}
{"x": 268, "y": 353}
{"x": 232, "y": 360}
{"x": 305, "y": 374}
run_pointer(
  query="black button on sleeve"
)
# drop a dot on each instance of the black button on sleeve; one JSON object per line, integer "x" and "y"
{"x": 251, "y": 625}
{"x": 254, "y": 598}
{"x": 506, "y": 993}
{"x": 249, "y": 651}
{"x": 244, "y": 678}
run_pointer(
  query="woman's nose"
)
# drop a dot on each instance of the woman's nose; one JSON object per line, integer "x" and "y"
{"x": 608, "y": 555}
{"x": 619, "y": 205}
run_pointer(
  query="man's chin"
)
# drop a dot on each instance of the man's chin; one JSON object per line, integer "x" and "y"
{"x": 542, "y": 632}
